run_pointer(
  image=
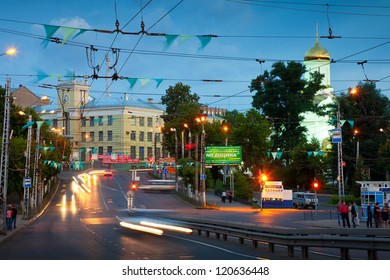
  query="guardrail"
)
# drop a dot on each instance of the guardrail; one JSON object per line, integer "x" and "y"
{"x": 345, "y": 239}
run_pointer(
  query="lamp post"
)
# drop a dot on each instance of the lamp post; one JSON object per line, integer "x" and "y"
{"x": 176, "y": 157}
{"x": 10, "y": 51}
{"x": 263, "y": 179}
{"x": 201, "y": 120}
{"x": 225, "y": 129}
{"x": 189, "y": 140}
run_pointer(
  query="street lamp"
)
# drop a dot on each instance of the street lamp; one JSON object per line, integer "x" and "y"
{"x": 263, "y": 179}
{"x": 9, "y": 51}
{"x": 176, "y": 151}
{"x": 189, "y": 140}
{"x": 225, "y": 129}
{"x": 202, "y": 120}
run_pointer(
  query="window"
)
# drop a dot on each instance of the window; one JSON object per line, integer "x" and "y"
{"x": 141, "y": 153}
{"x": 109, "y": 149}
{"x": 133, "y": 135}
{"x": 109, "y": 121}
{"x": 92, "y": 136}
{"x": 158, "y": 137}
{"x": 92, "y": 121}
{"x": 141, "y": 121}
{"x": 150, "y": 122}
{"x": 83, "y": 136}
{"x": 150, "y": 136}
{"x": 133, "y": 153}
{"x": 83, "y": 122}
{"x": 141, "y": 136}
{"x": 132, "y": 120}
{"x": 109, "y": 135}
{"x": 158, "y": 153}
{"x": 100, "y": 150}
{"x": 100, "y": 120}
{"x": 150, "y": 152}
{"x": 100, "y": 135}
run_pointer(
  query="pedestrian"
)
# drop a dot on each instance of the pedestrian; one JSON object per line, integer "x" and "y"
{"x": 338, "y": 211}
{"x": 352, "y": 211}
{"x": 377, "y": 214}
{"x": 369, "y": 215}
{"x": 345, "y": 215}
{"x": 14, "y": 215}
{"x": 385, "y": 215}
{"x": 223, "y": 197}
{"x": 230, "y": 196}
{"x": 357, "y": 221}
{"x": 8, "y": 218}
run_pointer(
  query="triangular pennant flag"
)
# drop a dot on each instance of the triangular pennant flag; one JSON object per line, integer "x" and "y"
{"x": 41, "y": 75}
{"x": 268, "y": 154}
{"x": 45, "y": 149}
{"x": 158, "y": 81}
{"x": 81, "y": 31}
{"x": 342, "y": 122}
{"x": 144, "y": 82}
{"x": 309, "y": 153}
{"x": 352, "y": 123}
{"x": 320, "y": 153}
{"x": 185, "y": 37}
{"x": 315, "y": 153}
{"x": 39, "y": 123}
{"x": 204, "y": 40}
{"x": 132, "y": 81}
{"x": 52, "y": 149}
{"x": 50, "y": 30}
{"x": 274, "y": 155}
{"x": 28, "y": 124}
{"x": 169, "y": 40}
{"x": 280, "y": 154}
{"x": 68, "y": 32}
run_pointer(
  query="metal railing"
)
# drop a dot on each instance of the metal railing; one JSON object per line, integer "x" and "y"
{"x": 345, "y": 239}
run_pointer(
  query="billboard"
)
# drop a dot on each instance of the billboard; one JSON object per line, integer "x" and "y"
{"x": 221, "y": 155}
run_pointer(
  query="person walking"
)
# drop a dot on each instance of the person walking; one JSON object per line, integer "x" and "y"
{"x": 385, "y": 215}
{"x": 223, "y": 197}
{"x": 353, "y": 214}
{"x": 377, "y": 213}
{"x": 369, "y": 215}
{"x": 14, "y": 215}
{"x": 230, "y": 196}
{"x": 357, "y": 221}
{"x": 338, "y": 211}
{"x": 8, "y": 218}
{"x": 345, "y": 215}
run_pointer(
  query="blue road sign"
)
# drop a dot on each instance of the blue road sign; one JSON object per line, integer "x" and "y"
{"x": 27, "y": 182}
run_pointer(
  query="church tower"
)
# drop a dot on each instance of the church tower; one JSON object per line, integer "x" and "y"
{"x": 317, "y": 59}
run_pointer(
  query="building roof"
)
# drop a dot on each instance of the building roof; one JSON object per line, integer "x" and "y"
{"x": 317, "y": 52}
{"x": 125, "y": 101}
{"x": 24, "y": 98}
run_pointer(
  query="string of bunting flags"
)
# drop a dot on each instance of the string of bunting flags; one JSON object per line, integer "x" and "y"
{"x": 278, "y": 155}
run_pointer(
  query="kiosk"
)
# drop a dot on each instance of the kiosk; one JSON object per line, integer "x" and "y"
{"x": 373, "y": 191}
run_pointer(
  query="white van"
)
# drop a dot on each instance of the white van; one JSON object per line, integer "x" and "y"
{"x": 304, "y": 200}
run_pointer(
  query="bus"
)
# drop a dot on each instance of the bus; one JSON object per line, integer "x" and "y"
{"x": 158, "y": 185}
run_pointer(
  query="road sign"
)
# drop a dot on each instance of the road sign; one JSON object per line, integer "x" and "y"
{"x": 336, "y": 135}
{"x": 203, "y": 176}
{"x": 27, "y": 182}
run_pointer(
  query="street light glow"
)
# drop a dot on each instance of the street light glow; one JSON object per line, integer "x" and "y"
{"x": 9, "y": 51}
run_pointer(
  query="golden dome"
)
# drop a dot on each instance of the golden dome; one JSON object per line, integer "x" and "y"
{"x": 317, "y": 53}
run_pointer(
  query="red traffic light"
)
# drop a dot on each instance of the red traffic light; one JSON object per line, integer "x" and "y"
{"x": 316, "y": 184}
{"x": 133, "y": 186}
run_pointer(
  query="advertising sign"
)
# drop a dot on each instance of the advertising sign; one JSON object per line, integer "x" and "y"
{"x": 273, "y": 190}
{"x": 221, "y": 155}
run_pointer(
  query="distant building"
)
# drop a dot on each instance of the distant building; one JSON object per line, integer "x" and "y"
{"x": 24, "y": 98}
{"x": 213, "y": 111}
{"x": 106, "y": 125}
{"x": 317, "y": 59}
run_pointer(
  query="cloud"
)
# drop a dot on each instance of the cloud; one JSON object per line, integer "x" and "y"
{"x": 75, "y": 22}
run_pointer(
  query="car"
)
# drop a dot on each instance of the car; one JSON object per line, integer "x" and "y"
{"x": 305, "y": 200}
{"x": 108, "y": 172}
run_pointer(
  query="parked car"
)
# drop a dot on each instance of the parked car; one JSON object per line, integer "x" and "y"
{"x": 305, "y": 200}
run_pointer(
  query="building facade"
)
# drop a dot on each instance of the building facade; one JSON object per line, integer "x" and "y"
{"x": 98, "y": 127}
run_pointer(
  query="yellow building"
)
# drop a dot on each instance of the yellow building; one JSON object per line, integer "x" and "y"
{"x": 106, "y": 127}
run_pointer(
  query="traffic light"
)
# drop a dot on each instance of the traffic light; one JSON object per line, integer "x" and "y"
{"x": 133, "y": 186}
{"x": 263, "y": 178}
{"x": 316, "y": 184}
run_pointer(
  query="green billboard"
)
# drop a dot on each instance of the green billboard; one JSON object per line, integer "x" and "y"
{"x": 221, "y": 155}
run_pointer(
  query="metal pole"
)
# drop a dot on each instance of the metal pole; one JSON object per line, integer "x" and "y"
{"x": 182, "y": 144}
{"x": 36, "y": 167}
{"x": 26, "y": 193}
{"x": 176, "y": 159}
{"x": 196, "y": 167}
{"x": 189, "y": 142}
{"x": 203, "y": 179}
{"x": 340, "y": 177}
{"x": 5, "y": 157}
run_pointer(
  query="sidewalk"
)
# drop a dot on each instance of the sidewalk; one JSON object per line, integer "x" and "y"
{"x": 20, "y": 223}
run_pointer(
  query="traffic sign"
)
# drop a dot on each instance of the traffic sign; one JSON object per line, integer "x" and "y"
{"x": 203, "y": 176}
{"x": 27, "y": 182}
{"x": 336, "y": 135}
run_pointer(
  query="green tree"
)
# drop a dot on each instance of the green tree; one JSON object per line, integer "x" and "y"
{"x": 282, "y": 95}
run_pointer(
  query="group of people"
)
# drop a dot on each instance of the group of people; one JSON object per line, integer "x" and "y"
{"x": 348, "y": 214}
{"x": 11, "y": 214}
{"x": 229, "y": 196}
{"x": 380, "y": 216}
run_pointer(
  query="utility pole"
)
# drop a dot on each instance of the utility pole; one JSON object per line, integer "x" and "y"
{"x": 5, "y": 158}
{"x": 340, "y": 177}
{"x": 196, "y": 167}
{"x": 26, "y": 193}
{"x": 36, "y": 167}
